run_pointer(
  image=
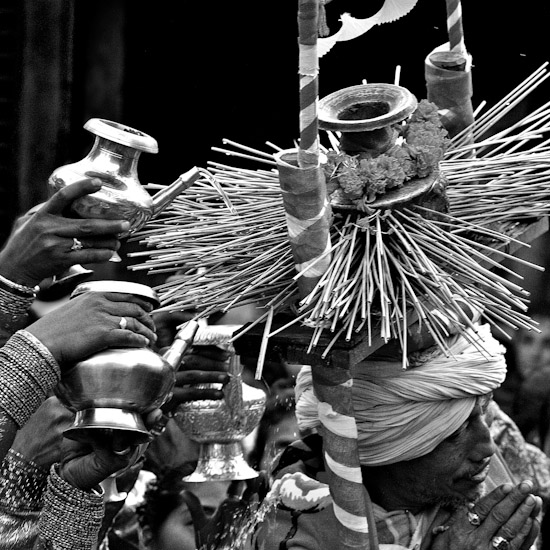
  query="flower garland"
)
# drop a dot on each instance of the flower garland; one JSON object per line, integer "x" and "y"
{"x": 360, "y": 179}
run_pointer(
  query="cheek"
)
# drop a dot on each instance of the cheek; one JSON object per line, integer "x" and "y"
{"x": 443, "y": 467}
{"x": 441, "y": 473}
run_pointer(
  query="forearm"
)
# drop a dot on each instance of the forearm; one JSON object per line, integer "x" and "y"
{"x": 28, "y": 372}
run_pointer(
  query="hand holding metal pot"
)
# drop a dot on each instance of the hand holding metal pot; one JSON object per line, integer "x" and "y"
{"x": 113, "y": 159}
{"x": 93, "y": 323}
{"x": 116, "y": 386}
{"x": 44, "y": 242}
{"x": 86, "y": 464}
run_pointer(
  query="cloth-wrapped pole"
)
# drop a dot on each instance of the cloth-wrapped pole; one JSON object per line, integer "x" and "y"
{"x": 454, "y": 26}
{"x": 308, "y": 216}
{"x": 448, "y": 78}
{"x": 308, "y": 19}
{"x": 333, "y": 388}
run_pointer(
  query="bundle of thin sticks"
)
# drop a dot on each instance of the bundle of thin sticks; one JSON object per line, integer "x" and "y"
{"x": 389, "y": 267}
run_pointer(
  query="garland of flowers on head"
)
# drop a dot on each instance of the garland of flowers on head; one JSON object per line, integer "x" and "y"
{"x": 357, "y": 180}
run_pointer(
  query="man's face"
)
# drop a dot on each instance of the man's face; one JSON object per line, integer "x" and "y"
{"x": 453, "y": 473}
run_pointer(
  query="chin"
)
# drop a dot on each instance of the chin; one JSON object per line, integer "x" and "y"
{"x": 458, "y": 499}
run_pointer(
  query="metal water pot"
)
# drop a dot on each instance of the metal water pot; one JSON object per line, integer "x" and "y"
{"x": 113, "y": 389}
{"x": 113, "y": 159}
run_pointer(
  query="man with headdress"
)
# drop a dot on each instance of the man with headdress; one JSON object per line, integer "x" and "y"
{"x": 429, "y": 462}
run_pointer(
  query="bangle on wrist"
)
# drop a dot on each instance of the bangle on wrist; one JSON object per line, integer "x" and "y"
{"x": 22, "y": 290}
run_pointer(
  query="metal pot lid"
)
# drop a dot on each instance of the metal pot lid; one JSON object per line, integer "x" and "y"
{"x": 120, "y": 133}
{"x": 125, "y": 287}
{"x": 399, "y": 102}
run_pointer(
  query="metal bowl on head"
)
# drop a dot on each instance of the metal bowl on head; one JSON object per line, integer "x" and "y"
{"x": 365, "y": 107}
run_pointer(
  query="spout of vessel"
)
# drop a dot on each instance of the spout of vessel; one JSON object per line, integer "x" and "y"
{"x": 165, "y": 196}
{"x": 183, "y": 340}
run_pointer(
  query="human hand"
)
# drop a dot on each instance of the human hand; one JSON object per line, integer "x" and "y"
{"x": 167, "y": 324}
{"x": 508, "y": 514}
{"x": 201, "y": 366}
{"x": 41, "y": 438}
{"x": 90, "y": 323}
{"x": 85, "y": 464}
{"x": 40, "y": 244}
{"x": 231, "y": 517}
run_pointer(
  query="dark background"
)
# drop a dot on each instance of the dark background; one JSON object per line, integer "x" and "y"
{"x": 193, "y": 73}
{"x": 197, "y": 72}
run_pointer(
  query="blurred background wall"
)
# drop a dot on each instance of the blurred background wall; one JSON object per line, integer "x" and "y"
{"x": 193, "y": 73}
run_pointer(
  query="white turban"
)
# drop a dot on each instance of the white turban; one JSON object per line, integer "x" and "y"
{"x": 407, "y": 415}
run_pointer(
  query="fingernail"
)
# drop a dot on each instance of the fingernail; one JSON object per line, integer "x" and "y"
{"x": 530, "y": 500}
{"x": 125, "y": 225}
{"x": 526, "y": 486}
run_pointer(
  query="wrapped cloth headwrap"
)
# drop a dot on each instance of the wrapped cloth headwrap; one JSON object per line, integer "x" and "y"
{"x": 407, "y": 415}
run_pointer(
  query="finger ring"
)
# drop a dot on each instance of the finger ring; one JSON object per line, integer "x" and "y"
{"x": 159, "y": 426}
{"x": 474, "y": 519}
{"x": 77, "y": 245}
{"x": 500, "y": 543}
{"x": 123, "y": 452}
{"x": 123, "y": 323}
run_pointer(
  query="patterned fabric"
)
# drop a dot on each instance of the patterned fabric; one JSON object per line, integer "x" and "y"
{"x": 22, "y": 485}
{"x": 524, "y": 460}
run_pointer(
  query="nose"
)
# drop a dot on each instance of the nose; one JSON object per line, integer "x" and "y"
{"x": 483, "y": 443}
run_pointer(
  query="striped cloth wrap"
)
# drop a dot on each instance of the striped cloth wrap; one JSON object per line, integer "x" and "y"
{"x": 308, "y": 217}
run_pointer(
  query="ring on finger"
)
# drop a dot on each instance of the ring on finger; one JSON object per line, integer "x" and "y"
{"x": 159, "y": 426}
{"x": 500, "y": 543}
{"x": 77, "y": 245}
{"x": 123, "y": 452}
{"x": 123, "y": 323}
{"x": 474, "y": 519}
